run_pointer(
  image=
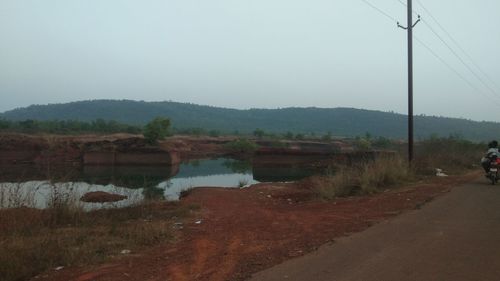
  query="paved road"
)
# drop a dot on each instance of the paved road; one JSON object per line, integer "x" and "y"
{"x": 456, "y": 237}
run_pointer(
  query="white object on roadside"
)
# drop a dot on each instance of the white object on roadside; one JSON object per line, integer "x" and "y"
{"x": 198, "y": 222}
{"x": 59, "y": 268}
{"x": 125, "y": 252}
{"x": 440, "y": 173}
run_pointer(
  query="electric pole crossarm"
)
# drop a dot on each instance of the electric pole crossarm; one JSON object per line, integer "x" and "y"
{"x": 400, "y": 26}
{"x": 406, "y": 28}
{"x": 416, "y": 22}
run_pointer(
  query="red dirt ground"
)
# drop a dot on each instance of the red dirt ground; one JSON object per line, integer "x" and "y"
{"x": 245, "y": 231}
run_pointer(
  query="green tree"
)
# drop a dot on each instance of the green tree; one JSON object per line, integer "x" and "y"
{"x": 327, "y": 137}
{"x": 157, "y": 129}
{"x": 214, "y": 133}
{"x": 4, "y": 124}
{"x": 242, "y": 145}
{"x": 288, "y": 135}
{"x": 259, "y": 133}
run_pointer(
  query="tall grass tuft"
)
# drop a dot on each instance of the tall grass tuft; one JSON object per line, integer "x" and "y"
{"x": 365, "y": 178}
{"x": 383, "y": 173}
{"x": 452, "y": 154}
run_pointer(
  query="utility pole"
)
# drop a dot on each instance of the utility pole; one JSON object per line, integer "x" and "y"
{"x": 409, "y": 29}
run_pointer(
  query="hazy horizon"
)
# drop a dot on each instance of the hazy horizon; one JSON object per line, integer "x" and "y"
{"x": 271, "y": 108}
{"x": 250, "y": 54}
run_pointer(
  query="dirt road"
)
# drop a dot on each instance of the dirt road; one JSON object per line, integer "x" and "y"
{"x": 456, "y": 237}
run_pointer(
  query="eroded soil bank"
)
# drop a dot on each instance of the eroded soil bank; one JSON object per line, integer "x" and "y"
{"x": 41, "y": 157}
{"x": 126, "y": 149}
{"x": 238, "y": 232}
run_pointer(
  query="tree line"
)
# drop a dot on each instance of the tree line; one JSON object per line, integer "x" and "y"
{"x": 67, "y": 127}
{"x": 155, "y": 130}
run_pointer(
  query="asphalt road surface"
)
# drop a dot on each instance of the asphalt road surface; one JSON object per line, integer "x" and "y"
{"x": 453, "y": 238}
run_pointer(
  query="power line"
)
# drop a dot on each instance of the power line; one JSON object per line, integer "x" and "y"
{"x": 404, "y": 4}
{"x": 453, "y": 69}
{"x": 385, "y": 14}
{"x": 380, "y": 11}
{"x": 460, "y": 59}
{"x": 456, "y": 43}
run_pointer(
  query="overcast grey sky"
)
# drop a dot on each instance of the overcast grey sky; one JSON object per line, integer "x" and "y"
{"x": 248, "y": 53}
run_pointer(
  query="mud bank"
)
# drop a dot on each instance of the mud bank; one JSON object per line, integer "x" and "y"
{"x": 93, "y": 150}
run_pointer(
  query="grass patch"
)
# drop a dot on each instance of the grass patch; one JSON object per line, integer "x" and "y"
{"x": 365, "y": 178}
{"x": 33, "y": 241}
{"x": 453, "y": 155}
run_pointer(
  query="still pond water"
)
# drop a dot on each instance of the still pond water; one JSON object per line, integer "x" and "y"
{"x": 136, "y": 183}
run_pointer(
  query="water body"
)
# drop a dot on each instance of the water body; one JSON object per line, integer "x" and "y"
{"x": 136, "y": 182}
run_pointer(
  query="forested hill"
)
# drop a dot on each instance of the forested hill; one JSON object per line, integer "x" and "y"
{"x": 338, "y": 121}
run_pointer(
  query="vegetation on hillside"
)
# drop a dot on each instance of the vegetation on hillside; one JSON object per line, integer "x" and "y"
{"x": 339, "y": 121}
{"x": 67, "y": 127}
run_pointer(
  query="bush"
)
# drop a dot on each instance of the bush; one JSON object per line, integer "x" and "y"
{"x": 327, "y": 137}
{"x": 214, "y": 133}
{"x": 244, "y": 146}
{"x": 156, "y": 130}
{"x": 363, "y": 144}
{"x": 259, "y": 133}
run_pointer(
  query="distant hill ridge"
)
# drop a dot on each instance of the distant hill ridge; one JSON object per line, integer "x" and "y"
{"x": 338, "y": 121}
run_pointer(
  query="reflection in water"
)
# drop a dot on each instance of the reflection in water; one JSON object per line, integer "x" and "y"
{"x": 44, "y": 194}
{"x": 136, "y": 182}
{"x": 128, "y": 176}
{"x": 175, "y": 186}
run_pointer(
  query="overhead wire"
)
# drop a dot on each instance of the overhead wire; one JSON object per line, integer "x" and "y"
{"x": 461, "y": 60}
{"x": 453, "y": 69}
{"x": 404, "y": 4}
{"x": 382, "y": 12}
{"x": 456, "y": 43}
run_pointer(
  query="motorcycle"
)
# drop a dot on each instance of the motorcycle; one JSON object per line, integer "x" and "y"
{"x": 493, "y": 174}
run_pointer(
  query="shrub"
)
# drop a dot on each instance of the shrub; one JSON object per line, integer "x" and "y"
{"x": 244, "y": 146}
{"x": 214, "y": 133}
{"x": 259, "y": 133}
{"x": 363, "y": 144}
{"x": 327, "y": 137}
{"x": 299, "y": 136}
{"x": 156, "y": 130}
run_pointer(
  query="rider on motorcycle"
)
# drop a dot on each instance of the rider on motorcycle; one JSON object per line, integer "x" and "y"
{"x": 490, "y": 154}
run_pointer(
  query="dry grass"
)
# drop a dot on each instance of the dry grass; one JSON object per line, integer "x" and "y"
{"x": 365, "y": 178}
{"x": 33, "y": 241}
{"x": 452, "y": 155}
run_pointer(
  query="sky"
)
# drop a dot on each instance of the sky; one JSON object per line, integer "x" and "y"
{"x": 252, "y": 54}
